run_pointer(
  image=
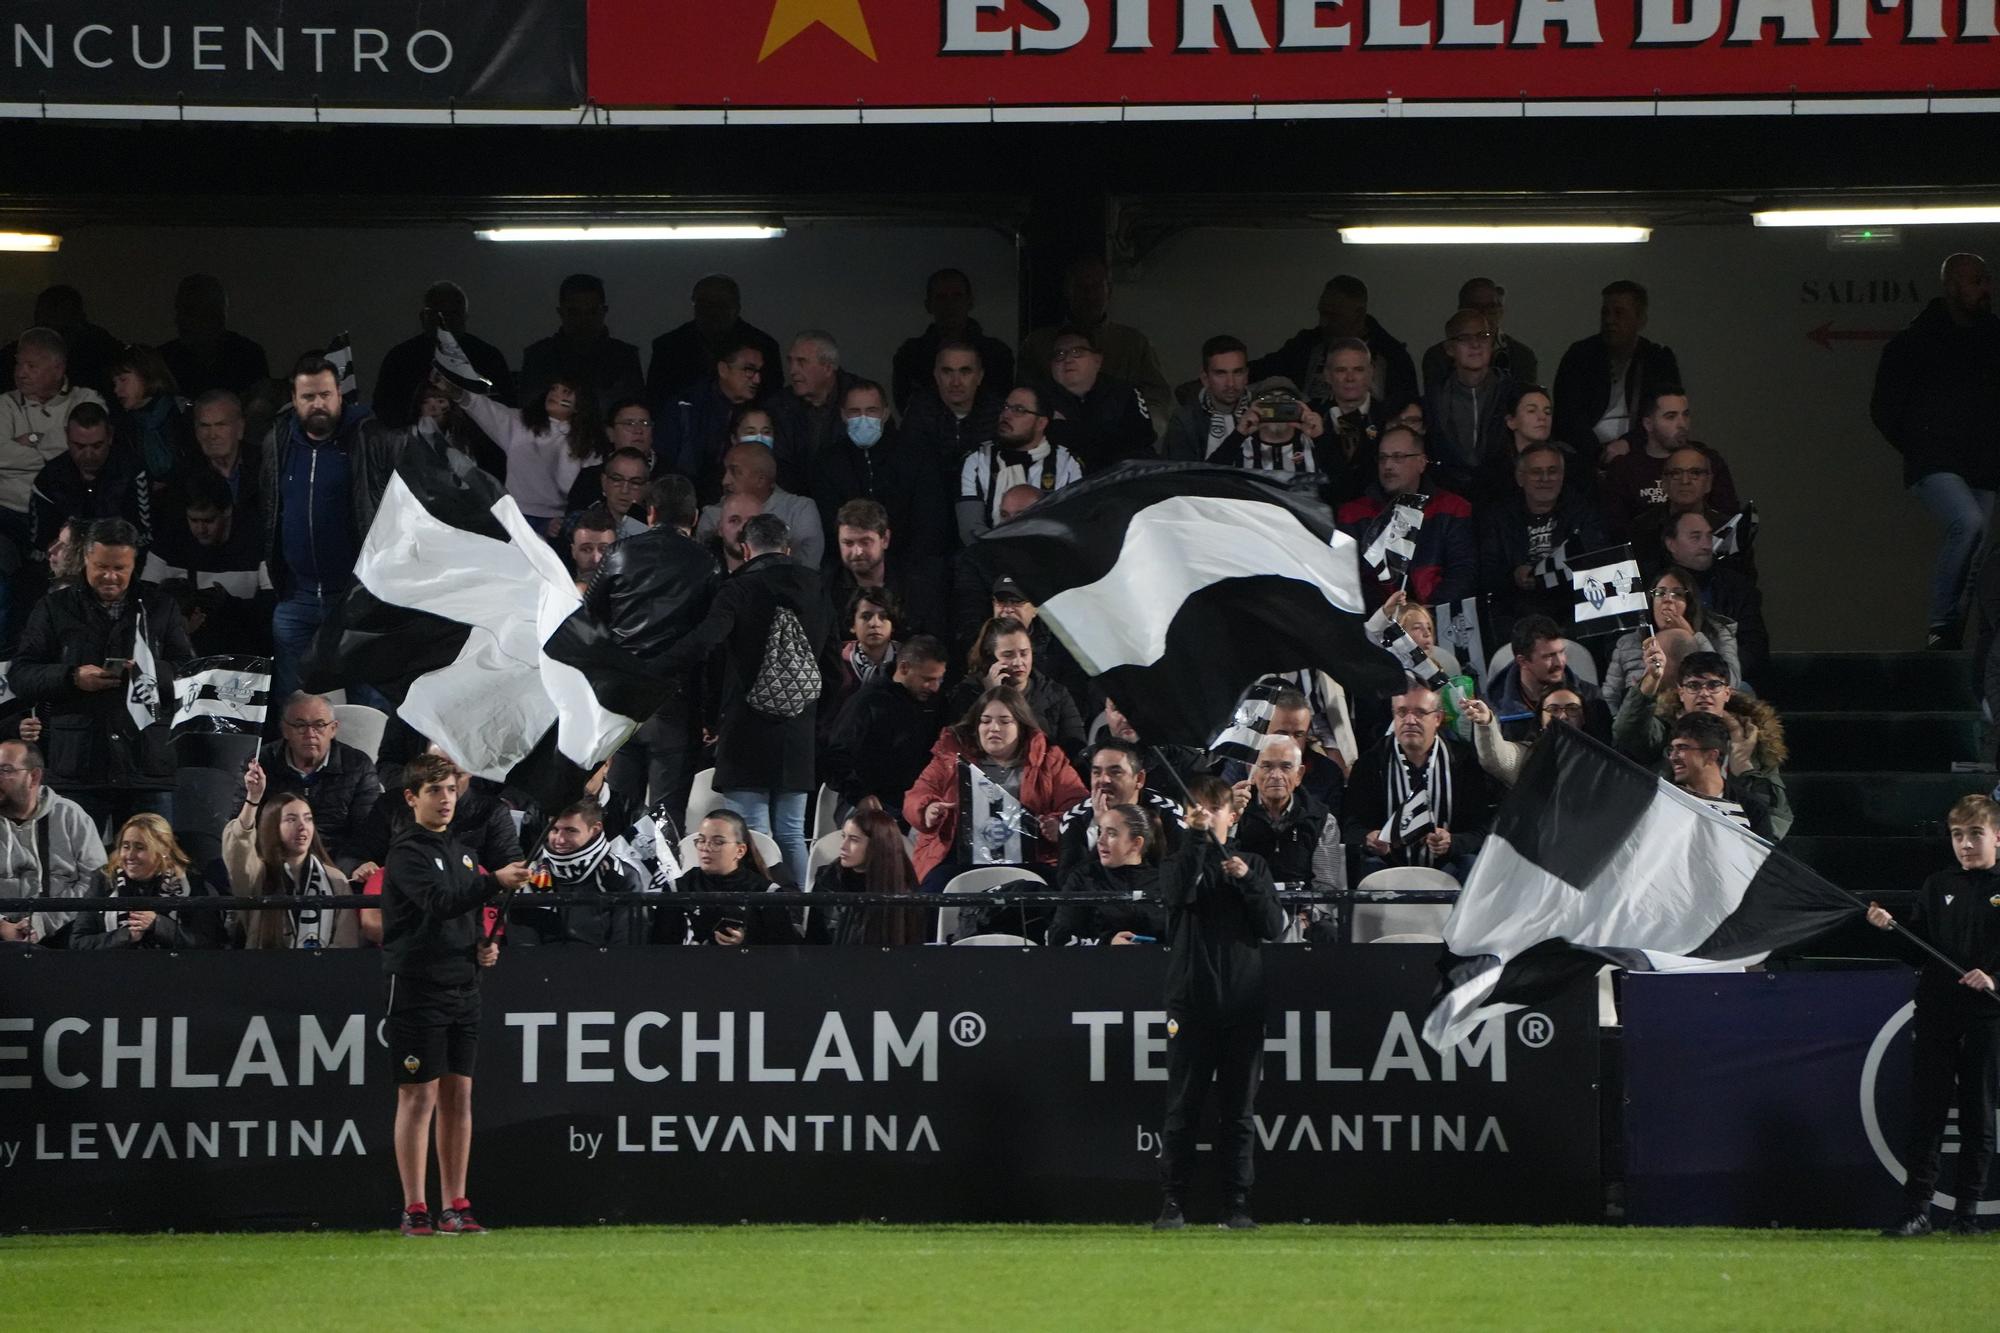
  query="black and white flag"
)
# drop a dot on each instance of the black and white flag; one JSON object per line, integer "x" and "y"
{"x": 467, "y": 620}
{"x": 1458, "y": 629}
{"x": 1416, "y": 660}
{"x": 1410, "y": 821}
{"x": 340, "y": 355}
{"x": 1249, "y": 728}
{"x": 142, "y": 687}
{"x": 1179, "y": 585}
{"x": 229, "y": 693}
{"x": 1594, "y": 860}
{"x": 1738, "y": 534}
{"x": 1390, "y": 541}
{"x": 993, "y": 828}
{"x": 1610, "y": 596}
{"x": 1552, "y": 570}
{"x": 450, "y": 361}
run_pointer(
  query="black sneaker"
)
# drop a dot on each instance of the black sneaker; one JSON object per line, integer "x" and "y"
{"x": 417, "y": 1222}
{"x": 1915, "y": 1224}
{"x": 1171, "y": 1217}
{"x": 1964, "y": 1225}
{"x": 1237, "y": 1216}
{"x": 457, "y": 1220}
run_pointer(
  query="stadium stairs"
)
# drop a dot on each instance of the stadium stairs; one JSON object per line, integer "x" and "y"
{"x": 1870, "y": 781}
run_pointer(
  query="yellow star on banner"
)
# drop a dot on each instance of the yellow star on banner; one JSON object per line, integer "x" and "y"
{"x": 789, "y": 18}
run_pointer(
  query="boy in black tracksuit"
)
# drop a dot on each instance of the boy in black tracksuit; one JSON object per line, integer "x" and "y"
{"x": 432, "y": 949}
{"x": 1221, "y": 906}
{"x": 1957, "y": 1026}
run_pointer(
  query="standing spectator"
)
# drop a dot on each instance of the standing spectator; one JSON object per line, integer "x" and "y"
{"x": 338, "y": 781}
{"x": 1196, "y": 429}
{"x": 277, "y": 853}
{"x": 1414, "y": 758}
{"x": 1019, "y": 454}
{"x": 1634, "y": 481}
{"x": 1445, "y": 565}
{"x": 1000, "y": 737}
{"x": 1511, "y": 356}
{"x": 948, "y": 301}
{"x": 866, "y": 652}
{"x": 874, "y": 461}
{"x": 1540, "y": 666}
{"x": 684, "y": 355}
{"x": 1937, "y": 400}
{"x": 325, "y": 467}
{"x": 32, "y": 417}
{"x": 882, "y": 738}
{"x": 92, "y": 480}
{"x": 581, "y": 352}
{"x": 82, "y": 654}
{"x": 205, "y": 353}
{"x": 872, "y": 859}
{"x": 750, "y": 473}
{"x": 870, "y": 560}
{"x": 1128, "y": 354}
{"x": 1354, "y": 418}
{"x": 89, "y": 350}
{"x": 957, "y": 413}
{"x": 1343, "y": 313}
{"x": 808, "y": 413}
{"x": 151, "y": 421}
{"x": 1602, "y": 379}
{"x": 1101, "y": 420}
{"x": 769, "y": 622}
{"x": 697, "y": 423}
{"x": 406, "y": 368}
{"x": 148, "y": 862}
{"x": 1698, "y": 751}
{"x": 547, "y": 442}
{"x": 1277, "y": 433}
{"x": 1005, "y": 657}
{"x": 1519, "y": 532}
{"x": 1466, "y": 410}
{"x": 48, "y": 847}
{"x": 1530, "y": 421}
{"x": 1722, "y": 590}
{"x": 210, "y": 559}
{"x": 219, "y": 443}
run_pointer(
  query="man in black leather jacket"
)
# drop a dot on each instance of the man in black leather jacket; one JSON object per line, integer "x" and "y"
{"x": 651, "y": 590}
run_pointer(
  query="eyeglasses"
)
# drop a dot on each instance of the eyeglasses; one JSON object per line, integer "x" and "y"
{"x": 1402, "y": 713}
{"x": 1668, "y": 594}
{"x": 1398, "y": 458}
{"x": 9, "y": 770}
{"x": 613, "y": 479}
{"x": 318, "y": 726}
{"x": 1563, "y": 710}
{"x": 1684, "y": 473}
{"x": 1072, "y": 353}
{"x": 1472, "y": 337}
{"x": 702, "y": 841}
{"x": 1705, "y": 685}
{"x": 1020, "y": 409}
{"x": 1684, "y": 747}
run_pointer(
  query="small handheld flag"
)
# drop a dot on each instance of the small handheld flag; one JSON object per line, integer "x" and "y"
{"x": 1610, "y": 597}
{"x": 1737, "y": 534}
{"x": 1391, "y": 539}
{"x": 340, "y": 355}
{"x": 450, "y": 361}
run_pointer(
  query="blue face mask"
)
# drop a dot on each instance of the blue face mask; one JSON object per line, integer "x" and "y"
{"x": 865, "y": 431}
{"x": 759, "y": 437}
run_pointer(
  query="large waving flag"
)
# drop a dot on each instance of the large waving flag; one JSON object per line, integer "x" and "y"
{"x": 1594, "y": 860}
{"x": 1179, "y": 585}
{"x": 467, "y": 620}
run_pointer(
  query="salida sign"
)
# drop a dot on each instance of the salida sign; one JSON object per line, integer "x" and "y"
{"x": 145, "y": 1091}
{"x": 958, "y": 53}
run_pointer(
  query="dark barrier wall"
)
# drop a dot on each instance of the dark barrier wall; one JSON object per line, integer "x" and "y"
{"x": 1774, "y": 1098}
{"x": 144, "y": 1091}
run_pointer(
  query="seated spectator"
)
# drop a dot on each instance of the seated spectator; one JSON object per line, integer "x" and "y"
{"x": 750, "y": 473}
{"x": 1511, "y": 356}
{"x": 1197, "y": 429}
{"x": 871, "y": 558}
{"x": 872, "y": 461}
{"x": 1445, "y": 566}
{"x": 1019, "y": 454}
{"x": 592, "y": 534}
{"x": 1521, "y": 530}
{"x": 109, "y": 743}
{"x": 337, "y": 780}
{"x": 1052, "y": 655}
{"x": 700, "y": 420}
{"x": 1001, "y": 737}
{"x": 211, "y": 561}
{"x": 621, "y": 483}
{"x": 1674, "y": 607}
{"x": 1286, "y": 825}
{"x": 1689, "y": 478}
{"x": 1275, "y": 432}
{"x": 579, "y": 858}
{"x": 1724, "y": 590}
{"x": 147, "y": 862}
{"x": 1126, "y": 352}
{"x": 1126, "y": 848}
{"x": 1005, "y": 656}
{"x": 948, "y": 301}
{"x": 1117, "y": 777}
{"x": 628, "y": 425}
{"x": 547, "y": 440}
{"x": 1601, "y": 379}
{"x": 1467, "y": 409}
{"x": 1184, "y": 763}
{"x": 1541, "y": 664}
{"x": 883, "y": 735}
{"x": 1632, "y": 483}
{"x": 1414, "y": 758}
{"x": 873, "y": 859}
{"x": 277, "y": 853}
{"x": 1697, "y": 758}
{"x": 958, "y": 410}
{"x": 48, "y": 848}
{"x": 726, "y": 861}
{"x": 91, "y": 480}
{"x": 1756, "y": 738}
{"x": 682, "y": 355}
{"x": 1530, "y": 421}
{"x": 1415, "y": 620}
{"x": 1354, "y": 415}
{"x": 868, "y": 651}
{"x": 1501, "y": 758}
{"x": 1407, "y": 413}
{"x": 1321, "y": 772}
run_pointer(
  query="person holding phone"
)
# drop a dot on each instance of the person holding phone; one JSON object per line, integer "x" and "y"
{"x": 725, "y": 861}
{"x": 1126, "y": 860}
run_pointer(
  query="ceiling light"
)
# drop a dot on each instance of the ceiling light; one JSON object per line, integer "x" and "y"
{"x": 30, "y": 241}
{"x": 678, "y": 231}
{"x": 1495, "y": 234}
{"x": 1858, "y": 216}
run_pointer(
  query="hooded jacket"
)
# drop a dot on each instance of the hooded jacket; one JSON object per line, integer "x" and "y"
{"x": 74, "y": 856}
{"x": 1643, "y": 724}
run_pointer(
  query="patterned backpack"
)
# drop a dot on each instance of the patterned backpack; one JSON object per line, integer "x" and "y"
{"x": 788, "y": 679}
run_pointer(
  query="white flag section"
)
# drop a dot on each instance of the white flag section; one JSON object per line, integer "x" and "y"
{"x": 1593, "y": 860}
{"x": 993, "y": 829}
{"x": 1458, "y": 629}
{"x": 1736, "y": 534}
{"x": 450, "y": 361}
{"x": 225, "y": 692}
{"x": 340, "y": 355}
{"x": 1394, "y": 544}
{"x": 1610, "y": 596}
{"x": 142, "y": 692}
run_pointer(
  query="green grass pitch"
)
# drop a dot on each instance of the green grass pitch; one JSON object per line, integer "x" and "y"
{"x": 1024, "y": 1277}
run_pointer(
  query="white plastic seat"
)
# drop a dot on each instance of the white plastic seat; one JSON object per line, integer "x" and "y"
{"x": 361, "y": 727}
{"x": 978, "y": 881}
{"x": 825, "y": 851}
{"x": 1372, "y": 921}
{"x": 701, "y": 798}
{"x": 1407, "y": 879}
{"x": 825, "y": 812}
{"x": 998, "y": 941}
{"x": 1407, "y": 937}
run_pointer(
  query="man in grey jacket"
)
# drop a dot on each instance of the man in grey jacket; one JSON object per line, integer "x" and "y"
{"x": 48, "y": 846}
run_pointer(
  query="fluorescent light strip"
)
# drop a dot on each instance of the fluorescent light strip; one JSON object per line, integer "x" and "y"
{"x": 39, "y": 242}
{"x": 1858, "y": 216}
{"x": 1499, "y": 234}
{"x": 691, "y": 231}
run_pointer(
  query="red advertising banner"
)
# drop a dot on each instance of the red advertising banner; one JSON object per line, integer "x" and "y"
{"x": 1273, "y": 53}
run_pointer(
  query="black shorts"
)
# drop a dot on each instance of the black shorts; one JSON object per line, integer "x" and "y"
{"x": 431, "y": 1029}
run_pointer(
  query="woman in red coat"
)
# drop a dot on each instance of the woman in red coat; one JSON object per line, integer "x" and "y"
{"x": 1000, "y": 737}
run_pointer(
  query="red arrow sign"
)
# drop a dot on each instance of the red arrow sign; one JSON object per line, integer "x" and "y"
{"x": 1826, "y": 335}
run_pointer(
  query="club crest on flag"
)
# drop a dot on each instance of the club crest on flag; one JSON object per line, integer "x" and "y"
{"x": 228, "y": 693}
{"x": 993, "y": 827}
{"x": 1610, "y": 596}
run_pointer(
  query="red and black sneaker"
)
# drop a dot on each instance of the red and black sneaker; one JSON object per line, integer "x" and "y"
{"x": 457, "y": 1220}
{"x": 417, "y": 1221}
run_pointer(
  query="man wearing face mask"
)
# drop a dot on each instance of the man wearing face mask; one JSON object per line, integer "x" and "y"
{"x": 873, "y": 461}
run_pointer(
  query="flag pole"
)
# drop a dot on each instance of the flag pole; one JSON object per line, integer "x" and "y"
{"x": 1919, "y": 941}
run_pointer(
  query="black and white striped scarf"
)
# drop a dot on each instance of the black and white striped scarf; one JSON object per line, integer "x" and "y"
{"x": 312, "y": 927}
{"x": 1434, "y": 779}
{"x": 581, "y": 864}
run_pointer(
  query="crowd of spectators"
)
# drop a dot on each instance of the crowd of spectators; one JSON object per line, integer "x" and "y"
{"x": 793, "y": 547}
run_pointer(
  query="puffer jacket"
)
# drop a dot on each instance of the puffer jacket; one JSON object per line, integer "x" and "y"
{"x": 1643, "y": 725}
{"x": 1049, "y": 786}
{"x": 1628, "y": 656}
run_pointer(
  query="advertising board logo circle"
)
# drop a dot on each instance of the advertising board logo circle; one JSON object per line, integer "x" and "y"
{"x": 967, "y": 1028}
{"x": 1593, "y": 592}
{"x": 1535, "y": 1030}
{"x": 1871, "y": 1120}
